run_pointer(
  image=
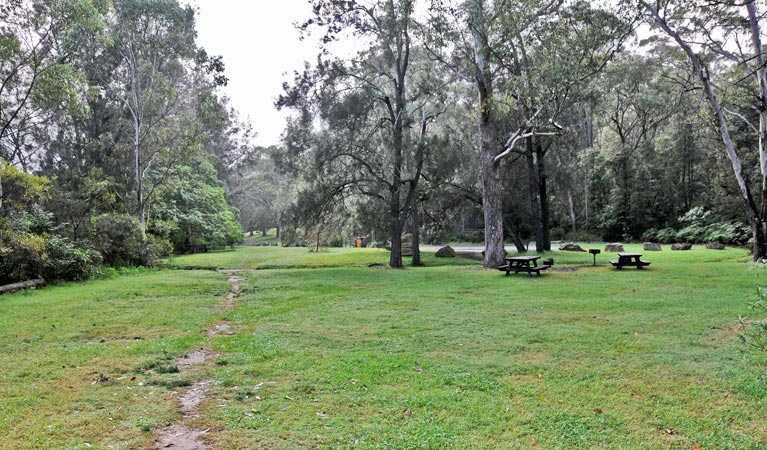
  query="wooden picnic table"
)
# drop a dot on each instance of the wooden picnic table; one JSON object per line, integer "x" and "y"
{"x": 527, "y": 264}
{"x": 629, "y": 259}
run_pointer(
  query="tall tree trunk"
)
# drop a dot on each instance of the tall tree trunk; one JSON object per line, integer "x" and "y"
{"x": 1, "y": 193}
{"x": 543, "y": 195}
{"x": 533, "y": 189}
{"x": 492, "y": 203}
{"x": 415, "y": 233}
{"x": 571, "y": 209}
{"x": 395, "y": 227}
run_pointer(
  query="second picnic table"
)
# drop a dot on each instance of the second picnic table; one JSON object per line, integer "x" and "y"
{"x": 629, "y": 259}
{"x": 527, "y": 264}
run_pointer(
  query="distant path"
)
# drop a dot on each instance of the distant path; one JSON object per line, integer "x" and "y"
{"x": 464, "y": 248}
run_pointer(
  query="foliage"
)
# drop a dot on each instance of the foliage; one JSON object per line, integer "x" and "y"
{"x": 699, "y": 226}
{"x": 21, "y": 190}
{"x": 192, "y": 209}
{"x": 69, "y": 262}
{"x": 754, "y": 333}
{"x": 25, "y": 256}
{"x": 118, "y": 238}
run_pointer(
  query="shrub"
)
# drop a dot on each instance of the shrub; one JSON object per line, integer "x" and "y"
{"x": 22, "y": 256}
{"x": 692, "y": 233}
{"x": 755, "y": 331}
{"x": 158, "y": 247}
{"x": 67, "y": 262}
{"x": 117, "y": 237}
{"x": 734, "y": 233}
{"x": 666, "y": 235}
{"x": 557, "y": 233}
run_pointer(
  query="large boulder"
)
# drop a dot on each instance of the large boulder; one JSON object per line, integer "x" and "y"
{"x": 571, "y": 247}
{"x": 681, "y": 246}
{"x": 652, "y": 247}
{"x": 715, "y": 245}
{"x": 445, "y": 252}
{"x": 614, "y": 247}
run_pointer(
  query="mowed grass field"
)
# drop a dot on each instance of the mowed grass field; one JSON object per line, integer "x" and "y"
{"x": 326, "y": 352}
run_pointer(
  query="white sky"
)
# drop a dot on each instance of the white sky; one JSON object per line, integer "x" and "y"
{"x": 261, "y": 49}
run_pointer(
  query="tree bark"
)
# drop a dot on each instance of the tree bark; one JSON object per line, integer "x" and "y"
{"x": 492, "y": 203}
{"x": 22, "y": 285}
{"x": 415, "y": 233}
{"x": 571, "y": 209}
{"x": 533, "y": 188}
{"x": 515, "y": 238}
{"x": 543, "y": 195}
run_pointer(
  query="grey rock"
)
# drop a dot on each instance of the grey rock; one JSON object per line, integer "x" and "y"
{"x": 652, "y": 247}
{"x": 445, "y": 252}
{"x": 571, "y": 248}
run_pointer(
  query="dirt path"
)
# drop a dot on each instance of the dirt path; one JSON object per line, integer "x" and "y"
{"x": 178, "y": 436}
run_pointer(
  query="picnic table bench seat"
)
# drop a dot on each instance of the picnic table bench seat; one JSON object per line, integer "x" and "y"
{"x": 529, "y": 270}
{"x": 638, "y": 264}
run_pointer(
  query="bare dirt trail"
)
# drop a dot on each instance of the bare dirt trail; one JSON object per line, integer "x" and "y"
{"x": 177, "y": 436}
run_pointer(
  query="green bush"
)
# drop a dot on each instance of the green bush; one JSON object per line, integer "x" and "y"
{"x": 557, "y": 233}
{"x": 666, "y": 235}
{"x": 117, "y": 237}
{"x": 67, "y": 262}
{"x": 158, "y": 247}
{"x": 733, "y": 233}
{"x": 25, "y": 256}
{"x": 755, "y": 331}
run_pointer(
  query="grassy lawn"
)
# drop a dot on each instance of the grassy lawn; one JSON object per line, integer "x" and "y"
{"x": 334, "y": 354}
{"x": 248, "y": 257}
{"x": 259, "y": 238}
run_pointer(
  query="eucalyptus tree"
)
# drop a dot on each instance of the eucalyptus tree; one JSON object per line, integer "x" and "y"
{"x": 639, "y": 100}
{"x": 526, "y": 59}
{"x": 373, "y": 110}
{"x": 153, "y": 40}
{"x": 728, "y": 34}
{"x": 37, "y": 41}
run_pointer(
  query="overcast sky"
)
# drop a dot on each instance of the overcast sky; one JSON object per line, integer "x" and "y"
{"x": 261, "y": 49}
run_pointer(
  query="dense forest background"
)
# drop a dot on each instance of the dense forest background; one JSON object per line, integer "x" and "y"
{"x": 519, "y": 121}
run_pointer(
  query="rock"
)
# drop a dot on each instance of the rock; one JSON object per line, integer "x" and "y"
{"x": 614, "y": 247}
{"x": 681, "y": 246}
{"x": 445, "y": 252}
{"x": 652, "y": 247}
{"x": 715, "y": 245}
{"x": 571, "y": 248}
